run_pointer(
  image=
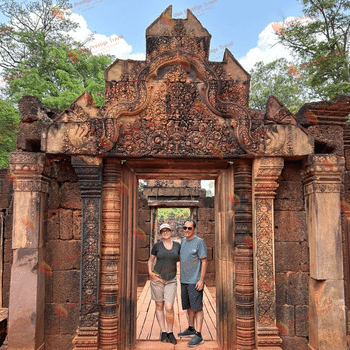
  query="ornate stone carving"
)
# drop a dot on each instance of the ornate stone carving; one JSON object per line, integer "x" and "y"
{"x": 110, "y": 256}
{"x": 244, "y": 255}
{"x": 265, "y": 173}
{"x": 90, "y": 184}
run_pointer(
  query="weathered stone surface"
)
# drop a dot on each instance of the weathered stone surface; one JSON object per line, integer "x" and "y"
{"x": 76, "y": 224}
{"x": 144, "y": 215}
{"x": 63, "y": 255}
{"x": 302, "y": 320}
{"x": 143, "y": 254}
{"x": 326, "y": 254}
{"x": 203, "y": 227}
{"x": 53, "y": 227}
{"x": 206, "y": 214}
{"x": 65, "y": 172}
{"x": 66, "y": 286}
{"x": 209, "y": 240}
{"x": 328, "y": 139}
{"x": 8, "y": 219}
{"x": 287, "y": 140}
{"x": 59, "y": 342}
{"x": 285, "y": 319}
{"x": 25, "y": 276}
{"x": 290, "y": 226}
{"x": 297, "y": 343}
{"x": 286, "y": 204}
{"x": 7, "y": 250}
{"x": 142, "y": 267}
{"x": 298, "y": 289}
{"x": 29, "y": 136}
{"x": 288, "y": 255}
{"x": 66, "y": 224}
{"x": 32, "y": 109}
{"x": 52, "y": 319}
{"x": 70, "y": 196}
{"x": 327, "y": 315}
{"x": 6, "y": 278}
{"x": 54, "y": 196}
{"x": 70, "y": 324}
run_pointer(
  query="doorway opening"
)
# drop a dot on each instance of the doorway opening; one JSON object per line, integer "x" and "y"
{"x": 173, "y": 202}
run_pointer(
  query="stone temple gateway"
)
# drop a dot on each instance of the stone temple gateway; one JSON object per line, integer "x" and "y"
{"x": 281, "y": 191}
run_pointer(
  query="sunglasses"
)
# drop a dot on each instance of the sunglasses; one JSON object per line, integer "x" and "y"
{"x": 164, "y": 231}
{"x": 187, "y": 228}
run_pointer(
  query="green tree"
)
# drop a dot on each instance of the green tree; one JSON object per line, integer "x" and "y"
{"x": 60, "y": 79}
{"x": 319, "y": 42}
{"x": 277, "y": 78}
{"x": 10, "y": 118}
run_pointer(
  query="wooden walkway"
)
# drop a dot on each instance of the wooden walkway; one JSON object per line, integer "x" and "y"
{"x": 147, "y": 325}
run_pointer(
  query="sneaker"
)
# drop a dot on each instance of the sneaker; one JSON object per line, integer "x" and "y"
{"x": 195, "y": 341}
{"x": 171, "y": 338}
{"x": 187, "y": 334}
{"x": 164, "y": 337}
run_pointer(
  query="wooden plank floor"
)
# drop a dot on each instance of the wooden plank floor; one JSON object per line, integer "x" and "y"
{"x": 147, "y": 325}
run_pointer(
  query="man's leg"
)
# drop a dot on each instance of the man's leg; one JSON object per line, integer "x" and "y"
{"x": 199, "y": 317}
{"x": 190, "y": 314}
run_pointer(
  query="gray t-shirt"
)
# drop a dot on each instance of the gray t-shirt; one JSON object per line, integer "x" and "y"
{"x": 190, "y": 264}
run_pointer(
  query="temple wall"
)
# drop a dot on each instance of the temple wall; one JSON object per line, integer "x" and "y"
{"x": 62, "y": 258}
{"x": 291, "y": 259}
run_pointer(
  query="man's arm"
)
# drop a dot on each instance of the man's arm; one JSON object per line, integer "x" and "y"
{"x": 200, "y": 283}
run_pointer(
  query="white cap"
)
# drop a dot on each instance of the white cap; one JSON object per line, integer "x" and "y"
{"x": 164, "y": 226}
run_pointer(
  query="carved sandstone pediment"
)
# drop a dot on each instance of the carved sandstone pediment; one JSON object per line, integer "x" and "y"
{"x": 174, "y": 104}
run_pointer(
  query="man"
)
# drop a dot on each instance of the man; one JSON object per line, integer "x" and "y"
{"x": 193, "y": 266}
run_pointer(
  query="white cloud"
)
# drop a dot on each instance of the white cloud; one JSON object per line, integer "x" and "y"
{"x": 102, "y": 44}
{"x": 268, "y": 49}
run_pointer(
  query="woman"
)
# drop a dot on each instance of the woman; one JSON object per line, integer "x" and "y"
{"x": 163, "y": 281}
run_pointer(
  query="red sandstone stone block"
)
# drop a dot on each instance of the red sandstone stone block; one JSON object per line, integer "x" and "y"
{"x": 203, "y": 227}
{"x": 8, "y": 226}
{"x": 142, "y": 254}
{"x": 210, "y": 279}
{"x": 144, "y": 215}
{"x": 63, "y": 255}
{"x": 70, "y": 324}
{"x": 53, "y": 227}
{"x": 48, "y": 289}
{"x": 290, "y": 226}
{"x": 52, "y": 319}
{"x": 65, "y": 172}
{"x": 294, "y": 343}
{"x": 209, "y": 240}
{"x": 8, "y": 250}
{"x": 66, "y": 286}
{"x": 302, "y": 320}
{"x": 77, "y": 224}
{"x": 298, "y": 289}
{"x": 291, "y": 172}
{"x": 54, "y": 198}
{"x": 70, "y": 196}
{"x": 4, "y": 201}
{"x": 141, "y": 279}
{"x": 206, "y": 214}
{"x": 59, "y": 342}
{"x": 287, "y": 256}
{"x": 142, "y": 267}
{"x": 285, "y": 319}
{"x": 211, "y": 266}
{"x": 66, "y": 224}
{"x": 210, "y": 253}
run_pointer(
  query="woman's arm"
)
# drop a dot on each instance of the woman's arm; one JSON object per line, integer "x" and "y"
{"x": 150, "y": 264}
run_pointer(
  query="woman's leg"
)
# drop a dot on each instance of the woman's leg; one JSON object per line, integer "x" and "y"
{"x": 160, "y": 315}
{"x": 169, "y": 316}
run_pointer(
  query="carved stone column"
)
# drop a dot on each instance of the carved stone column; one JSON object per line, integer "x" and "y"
{"x": 110, "y": 255}
{"x": 265, "y": 173}
{"x": 244, "y": 254}
{"x": 322, "y": 181}
{"x": 27, "y": 289}
{"x": 88, "y": 170}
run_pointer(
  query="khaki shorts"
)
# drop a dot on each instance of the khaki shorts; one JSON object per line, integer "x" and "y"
{"x": 163, "y": 291}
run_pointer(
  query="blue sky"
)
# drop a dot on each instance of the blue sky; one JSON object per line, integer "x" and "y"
{"x": 236, "y": 21}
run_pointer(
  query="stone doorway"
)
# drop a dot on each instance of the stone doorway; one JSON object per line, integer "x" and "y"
{"x": 226, "y": 324}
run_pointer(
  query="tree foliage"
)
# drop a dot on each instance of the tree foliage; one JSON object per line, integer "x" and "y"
{"x": 320, "y": 43}
{"x": 275, "y": 78}
{"x": 10, "y": 119}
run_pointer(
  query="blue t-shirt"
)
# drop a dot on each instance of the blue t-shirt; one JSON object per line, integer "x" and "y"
{"x": 190, "y": 264}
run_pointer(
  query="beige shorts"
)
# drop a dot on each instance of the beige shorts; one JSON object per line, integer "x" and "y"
{"x": 163, "y": 291}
